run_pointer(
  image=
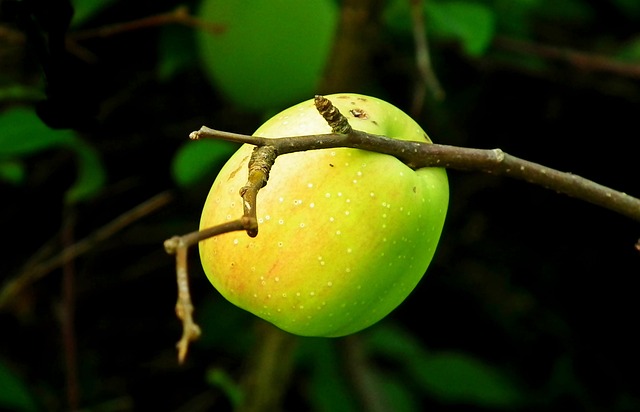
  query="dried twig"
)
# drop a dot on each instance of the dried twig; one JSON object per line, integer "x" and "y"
{"x": 418, "y": 155}
{"x": 39, "y": 269}
{"x": 414, "y": 154}
{"x": 581, "y": 60}
{"x": 179, "y": 15}
{"x": 260, "y": 164}
{"x": 428, "y": 79}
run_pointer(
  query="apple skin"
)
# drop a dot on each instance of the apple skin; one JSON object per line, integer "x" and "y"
{"x": 344, "y": 234}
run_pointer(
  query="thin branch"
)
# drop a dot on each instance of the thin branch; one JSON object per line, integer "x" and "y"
{"x": 578, "y": 59}
{"x": 179, "y": 246}
{"x": 418, "y": 155}
{"x": 428, "y": 78}
{"x": 37, "y": 270}
{"x": 180, "y": 15}
{"x": 362, "y": 375}
{"x": 268, "y": 369}
{"x": 414, "y": 154}
{"x": 67, "y": 318}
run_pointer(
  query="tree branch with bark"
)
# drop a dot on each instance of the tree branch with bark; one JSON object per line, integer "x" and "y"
{"x": 414, "y": 154}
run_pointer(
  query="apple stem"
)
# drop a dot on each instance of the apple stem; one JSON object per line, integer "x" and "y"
{"x": 338, "y": 122}
{"x": 262, "y": 159}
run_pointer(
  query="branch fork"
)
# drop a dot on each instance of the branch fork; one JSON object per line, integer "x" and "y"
{"x": 415, "y": 154}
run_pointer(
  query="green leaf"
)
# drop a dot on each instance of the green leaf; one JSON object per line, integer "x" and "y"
{"x": 199, "y": 159}
{"x": 22, "y": 134}
{"x": 177, "y": 51}
{"x": 398, "y": 393}
{"x": 472, "y": 24}
{"x": 460, "y": 378}
{"x": 14, "y": 394}
{"x": 450, "y": 377}
{"x": 12, "y": 171}
{"x": 269, "y": 53}
{"x": 83, "y": 10}
{"x": 328, "y": 389}
{"x": 220, "y": 379}
{"x": 631, "y": 51}
{"x": 91, "y": 175}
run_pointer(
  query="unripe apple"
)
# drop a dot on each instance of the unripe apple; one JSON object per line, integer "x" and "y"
{"x": 344, "y": 234}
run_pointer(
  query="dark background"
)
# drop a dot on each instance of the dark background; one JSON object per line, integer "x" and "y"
{"x": 537, "y": 284}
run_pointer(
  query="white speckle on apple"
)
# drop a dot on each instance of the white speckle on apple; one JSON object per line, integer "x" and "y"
{"x": 281, "y": 221}
{"x": 277, "y": 279}
{"x": 236, "y": 241}
{"x": 267, "y": 217}
{"x": 312, "y": 205}
{"x": 327, "y": 195}
{"x": 280, "y": 244}
{"x": 302, "y": 224}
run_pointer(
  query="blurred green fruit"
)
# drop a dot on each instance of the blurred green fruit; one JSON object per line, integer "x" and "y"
{"x": 269, "y": 53}
{"x": 344, "y": 234}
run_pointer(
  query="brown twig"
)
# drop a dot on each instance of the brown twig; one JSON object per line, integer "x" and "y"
{"x": 180, "y": 15}
{"x": 355, "y": 41}
{"x": 362, "y": 375}
{"x": 418, "y": 155}
{"x": 262, "y": 159}
{"x": 179, "y": 245}
{"x": 37, "y": 270}
{"x": 428, "y": 78}
{"x": 268, "y": 369}
{"x": 67, "y": 316}
{"x": 415, "y": 154}
{"x": 581, "y": 60}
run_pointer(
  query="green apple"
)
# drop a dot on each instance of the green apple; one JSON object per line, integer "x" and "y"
{"x": 344, "y": 234}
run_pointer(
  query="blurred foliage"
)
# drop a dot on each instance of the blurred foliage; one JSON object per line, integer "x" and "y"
{"x": 527, "y": 306}
{"x": 23, "y": 134}
{"x": 264, "y": 45}
{"x": 14, "y": 394}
